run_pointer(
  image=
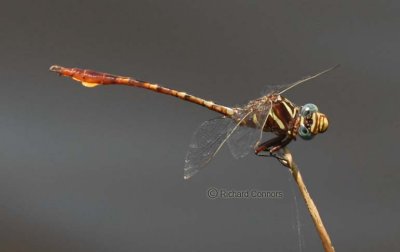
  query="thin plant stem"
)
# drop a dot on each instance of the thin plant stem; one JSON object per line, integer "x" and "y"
{"x": 287, "y": 160}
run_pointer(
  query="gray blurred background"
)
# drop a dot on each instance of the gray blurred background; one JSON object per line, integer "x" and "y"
{"x": 102, "y": 169}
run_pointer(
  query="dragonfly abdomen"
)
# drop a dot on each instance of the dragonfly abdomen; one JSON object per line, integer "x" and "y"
{"x": 90, "y": 78}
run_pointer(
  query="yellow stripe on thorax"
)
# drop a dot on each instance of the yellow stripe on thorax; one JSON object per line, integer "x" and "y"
{"x": 277, "y": 120}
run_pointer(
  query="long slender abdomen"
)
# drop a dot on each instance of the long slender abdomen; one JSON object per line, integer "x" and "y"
{"x": 90, "y": 78}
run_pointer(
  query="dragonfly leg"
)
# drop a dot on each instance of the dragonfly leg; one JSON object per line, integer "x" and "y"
{"x": 281, "y": 145}
{"x": 272, "y": 147}
{"x": 270, "y": 144}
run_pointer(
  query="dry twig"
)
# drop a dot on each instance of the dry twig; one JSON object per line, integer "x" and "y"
{"x": 287, "y": 160}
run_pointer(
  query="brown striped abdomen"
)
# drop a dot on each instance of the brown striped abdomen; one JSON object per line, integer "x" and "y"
{"x": 90, "y": 78}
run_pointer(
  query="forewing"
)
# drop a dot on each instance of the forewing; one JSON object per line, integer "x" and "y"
{"x": 280, "y": 89}
{"x": 205, "y": 142}
{"x": 275, "y": 89}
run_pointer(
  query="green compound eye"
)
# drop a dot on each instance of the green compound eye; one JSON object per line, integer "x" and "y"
{"x": 308, "y": 109}
{"x": 305, "y": 133}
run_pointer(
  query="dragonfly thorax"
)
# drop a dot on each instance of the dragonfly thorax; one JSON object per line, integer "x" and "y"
{"x": 277, "y": 114}
{"x": 271, "y": 113}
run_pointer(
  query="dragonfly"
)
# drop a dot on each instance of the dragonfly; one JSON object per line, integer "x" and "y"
{"x": 241, "y": 127}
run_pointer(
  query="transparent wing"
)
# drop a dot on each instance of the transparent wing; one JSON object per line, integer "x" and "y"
{"x": 242, "y": 142}
{"x": 245, "y": 139}
{"x": 280, "y": 89}
{"x": 308, "y": 78}
{"x": 205, "y": 143}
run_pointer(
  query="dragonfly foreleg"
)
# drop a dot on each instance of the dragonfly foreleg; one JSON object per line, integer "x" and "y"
{"x": 273, "y": 145}
{"x": 281, "y": 145}
{"x": 270, "y": 144}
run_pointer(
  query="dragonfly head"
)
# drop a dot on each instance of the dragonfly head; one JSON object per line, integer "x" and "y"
{"x": 312, "y": 122}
